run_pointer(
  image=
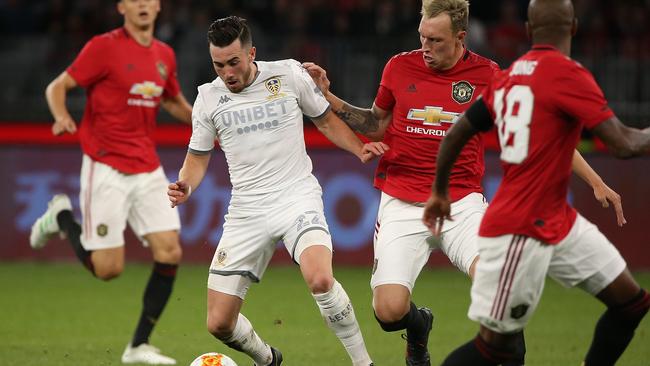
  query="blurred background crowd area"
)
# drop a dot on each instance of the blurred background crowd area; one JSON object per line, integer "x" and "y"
{"x": 352, "y": 39}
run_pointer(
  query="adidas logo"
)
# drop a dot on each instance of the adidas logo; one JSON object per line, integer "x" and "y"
{"x": 411, "y": 88}
{"x": 224, "y": 99}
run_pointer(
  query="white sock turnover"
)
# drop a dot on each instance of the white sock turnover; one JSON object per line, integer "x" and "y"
{"x": 336, "y": 309}
{"x": 245, "y": 339}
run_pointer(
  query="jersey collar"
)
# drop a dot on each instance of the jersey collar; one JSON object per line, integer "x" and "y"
{"x": 544, "y": 47}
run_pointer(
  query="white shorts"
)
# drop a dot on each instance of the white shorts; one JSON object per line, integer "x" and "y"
{"x": 401, "y": 247}
{"x": 511, "y": 273}
{"x": 250, "y": 235}
{"x": 109, "y": 199}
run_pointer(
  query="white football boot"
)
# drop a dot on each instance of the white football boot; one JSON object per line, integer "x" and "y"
{"x": 46, "y": 225}
{"x": 145, "y": 353}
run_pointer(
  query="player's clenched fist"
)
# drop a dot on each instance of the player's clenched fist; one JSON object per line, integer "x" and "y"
{"x": 63, "y": 125}
{"x": 179, "y": 192}
{"x": 372, "y": 149}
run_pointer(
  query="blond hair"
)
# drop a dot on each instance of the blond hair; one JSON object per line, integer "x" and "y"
{"x": 458, "y": 11}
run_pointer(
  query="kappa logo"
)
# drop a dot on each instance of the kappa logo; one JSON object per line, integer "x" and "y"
{"x": 224, "y": 99}
{"x": 462, "y": 91}
{"x": 431, "y": 116}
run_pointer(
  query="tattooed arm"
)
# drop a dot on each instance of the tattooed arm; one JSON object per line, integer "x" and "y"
{"x": 370, "y": 122}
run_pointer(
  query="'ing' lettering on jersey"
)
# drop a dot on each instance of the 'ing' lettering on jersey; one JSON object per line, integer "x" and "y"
{"x": 523, "y": 67}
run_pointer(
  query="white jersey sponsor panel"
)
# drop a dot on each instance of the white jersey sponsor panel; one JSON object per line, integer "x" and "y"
{"x": 259, "y": 129}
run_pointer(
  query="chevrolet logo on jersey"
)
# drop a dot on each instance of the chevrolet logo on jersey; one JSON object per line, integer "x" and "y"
{"x": 147, "y": 89}
{"x": 431, "y": 116}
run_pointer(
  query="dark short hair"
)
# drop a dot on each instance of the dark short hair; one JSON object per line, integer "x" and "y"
{"x": 224, "y": 31}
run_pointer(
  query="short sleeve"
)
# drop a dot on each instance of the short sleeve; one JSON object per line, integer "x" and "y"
{"x": 385, "y": 98}
{"x": 311, "y": 100}
{"x": 90, "y": 65}
{"x": 204, "y": 131}
{"x": 580, "y": 97}
{"x": 487, "y": 98}
{"x": 479, "y": 115}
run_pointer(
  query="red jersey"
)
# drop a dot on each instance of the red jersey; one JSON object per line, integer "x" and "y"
{"x": 124, "y": 83}
{"x": 539, "y": 105}
{"x": 424, "y": 104}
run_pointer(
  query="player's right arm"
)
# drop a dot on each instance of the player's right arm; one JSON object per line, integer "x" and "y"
{"x": 189, "y": 177}
{"x": 623, "y": 141}
{"x": 370, "y": 122}
{"x": 55, "y": 94}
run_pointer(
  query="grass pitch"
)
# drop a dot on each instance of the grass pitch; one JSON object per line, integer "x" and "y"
{"x": 57, "y": 314}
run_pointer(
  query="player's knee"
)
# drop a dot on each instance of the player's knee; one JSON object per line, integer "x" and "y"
{"x": 166, "y": 247}
{"x": 108, "y": 271}
{"x": 319, "y": 283}
{"x": 220, "y": 327}
{"x": 172, "y": 254}
{"x": 634, "y": 310}
{"x": 389, "y": 311}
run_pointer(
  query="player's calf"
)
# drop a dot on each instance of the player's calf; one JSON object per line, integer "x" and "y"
{"x": 615, "y": 329}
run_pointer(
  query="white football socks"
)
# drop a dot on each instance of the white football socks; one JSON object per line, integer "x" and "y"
{"x": 245, "y": 339}
{"x": 336, "y": 309}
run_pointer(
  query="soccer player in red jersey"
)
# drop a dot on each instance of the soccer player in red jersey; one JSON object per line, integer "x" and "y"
{"x": 539, "y": 106}
{"x": 420, "y": 95}
{"x": 127, "y": 74}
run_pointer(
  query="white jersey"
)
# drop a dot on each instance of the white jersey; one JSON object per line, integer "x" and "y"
{"x": 260, "y": 129}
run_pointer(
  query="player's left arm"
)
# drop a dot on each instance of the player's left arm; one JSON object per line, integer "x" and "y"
{"x": 342, "y": 136}
{"x": 602, "y": 192}
{"x": 178, "y": 107}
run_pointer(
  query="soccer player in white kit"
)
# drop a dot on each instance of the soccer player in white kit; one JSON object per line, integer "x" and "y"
{"x": 254, "y": 110}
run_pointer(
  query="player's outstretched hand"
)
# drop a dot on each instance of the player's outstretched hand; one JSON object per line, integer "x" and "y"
{"x": 319, "y": 75}
{"x": 373, "y": 149}
{"x": 605, "y": 195}
{"x": 63, "y": 125}
{"x": 178, "y": 192}
{"x": 436, "y": 210}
